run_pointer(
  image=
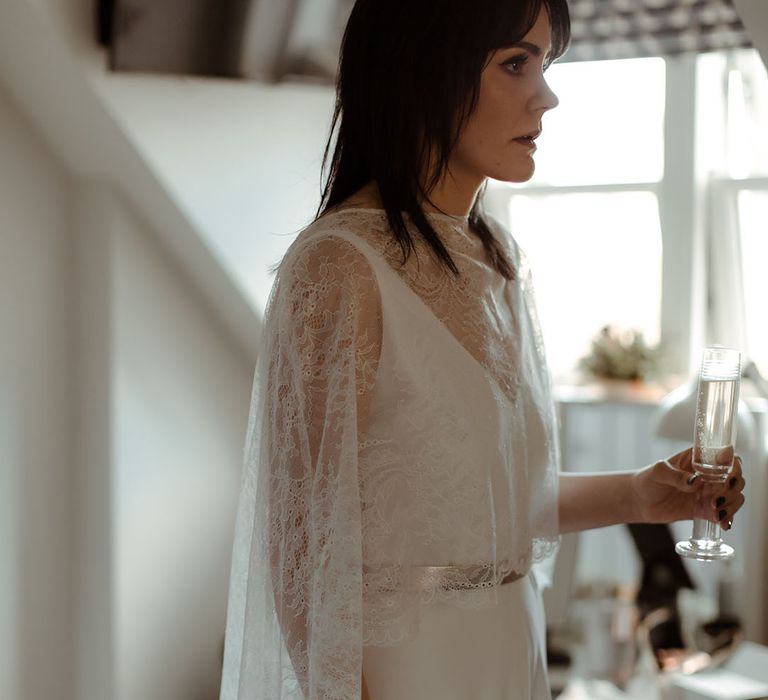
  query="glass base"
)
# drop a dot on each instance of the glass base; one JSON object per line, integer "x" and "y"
{"x": 689, "y": 550}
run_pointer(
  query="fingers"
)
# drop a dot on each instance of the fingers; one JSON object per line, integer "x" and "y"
{"x": 725, "y": 456}
{"x": 736, "y": 470}
{"x": 725, "y": 499}
{"x": 682, "y": 479}
{"x": 726, "y": 510}
{"x": 731, "y": 498}
{"x": 682, "y": 460}
{"x": 735, "y": 482}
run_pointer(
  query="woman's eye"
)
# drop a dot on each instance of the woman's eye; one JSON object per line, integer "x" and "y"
{"x": 515, "y": 64}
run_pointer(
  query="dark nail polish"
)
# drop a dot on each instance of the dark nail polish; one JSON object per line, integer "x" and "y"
{"x": 719, "y": 501}
{"x": 692, "y": 478}
{"x": 732, "y": 482}
{"x": 721, "y": 515}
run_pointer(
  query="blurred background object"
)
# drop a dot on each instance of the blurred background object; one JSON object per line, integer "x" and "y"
{"x": 622, "y": 353}
{"x": 196, "y": 37}
{"x": 267, "y": 40}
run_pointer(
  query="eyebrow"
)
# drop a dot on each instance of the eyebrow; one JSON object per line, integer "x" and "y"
{"x": 528, "y": 46}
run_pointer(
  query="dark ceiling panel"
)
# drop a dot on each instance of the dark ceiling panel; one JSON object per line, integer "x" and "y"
{"x": 198, "y": 37}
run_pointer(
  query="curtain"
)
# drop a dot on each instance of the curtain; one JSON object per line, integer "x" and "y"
{"x": 609, "y": 29}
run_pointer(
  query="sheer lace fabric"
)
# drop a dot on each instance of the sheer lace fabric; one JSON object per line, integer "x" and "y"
{"x": 400, "y": 417}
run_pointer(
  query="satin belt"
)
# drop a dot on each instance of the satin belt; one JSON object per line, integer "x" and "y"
{"x": 427, "y": 578}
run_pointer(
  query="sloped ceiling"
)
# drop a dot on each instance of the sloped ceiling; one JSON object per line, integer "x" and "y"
{"x": 298, "y": 40}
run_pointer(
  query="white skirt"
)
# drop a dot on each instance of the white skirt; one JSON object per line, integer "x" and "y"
{"x": 468, "y": 654}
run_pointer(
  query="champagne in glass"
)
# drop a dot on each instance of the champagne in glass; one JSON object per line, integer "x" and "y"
{"x": 713, "y": 448}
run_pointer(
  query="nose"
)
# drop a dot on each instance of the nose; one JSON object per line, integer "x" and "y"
{"x": 548, "y": 98}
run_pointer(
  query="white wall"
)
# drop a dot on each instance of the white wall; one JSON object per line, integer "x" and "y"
{"x": 37, "y": 417}
{"x": 93, "y": 203}
{"x": 242, "y": 159}
{"x": 179, "y": 411}
{"x": 122, "y": 416}
{"x": 125, "y": 374}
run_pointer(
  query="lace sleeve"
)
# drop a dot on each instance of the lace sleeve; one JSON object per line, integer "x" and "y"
{"x": 294, "y": 622}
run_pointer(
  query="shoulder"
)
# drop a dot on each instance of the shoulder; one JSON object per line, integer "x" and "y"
{"x": 353, "y": 237}
{"x": 339, "y": 232}
{"x": 325, "y": 264}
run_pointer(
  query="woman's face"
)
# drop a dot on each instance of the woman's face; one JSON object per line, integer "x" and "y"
{"x": 513, "y": 97}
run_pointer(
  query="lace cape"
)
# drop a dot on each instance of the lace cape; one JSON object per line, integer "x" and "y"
{"x": 400, "y": 417}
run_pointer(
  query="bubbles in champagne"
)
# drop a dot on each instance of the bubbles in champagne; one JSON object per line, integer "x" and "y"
{"x": 714, "y": 434}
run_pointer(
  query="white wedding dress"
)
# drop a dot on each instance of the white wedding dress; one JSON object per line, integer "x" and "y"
{"x": 495, "y": 653}
{"x": 400, "y": 468}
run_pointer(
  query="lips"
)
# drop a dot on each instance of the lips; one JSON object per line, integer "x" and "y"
{"x": 528, "y": 140}
{"x": 532, "y": 136}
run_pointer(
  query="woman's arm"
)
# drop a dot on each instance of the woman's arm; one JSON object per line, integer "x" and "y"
{"x": 324, "y": 341}
{"x": 587, "y": 501}
{"x": 660, "y": 493}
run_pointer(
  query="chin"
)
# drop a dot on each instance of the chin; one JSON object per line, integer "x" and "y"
{"x": 518, "y": 173}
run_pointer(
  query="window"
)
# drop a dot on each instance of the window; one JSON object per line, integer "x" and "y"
{"x": 623, "y": 199}
{"x": 608, "y": 127}
{"x": 753, "y": 215}
{"x": 738, "y": 191}
{"x": 589, "y": 220}
{"x": 747, "y": 116}
{"x": 592, "y": 264}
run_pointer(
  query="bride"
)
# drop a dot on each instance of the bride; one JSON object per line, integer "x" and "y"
{"x": 402, "y": 480}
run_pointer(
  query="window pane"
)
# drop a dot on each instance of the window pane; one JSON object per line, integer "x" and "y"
{"x": 747, "y": 136}
{"x": 732, "y": 111}
{"x": 596, "y": 260}
{"x": 609, "y": 125}
{"x": 753, "y": 213}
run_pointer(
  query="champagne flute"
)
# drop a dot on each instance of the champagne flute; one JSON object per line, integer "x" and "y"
{"x": 714, "y": 437}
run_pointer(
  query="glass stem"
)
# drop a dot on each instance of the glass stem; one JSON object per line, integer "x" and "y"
{"x": 705, "y": 532}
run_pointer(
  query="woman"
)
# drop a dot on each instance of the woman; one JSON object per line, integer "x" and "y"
{"x": 401, "y": 477}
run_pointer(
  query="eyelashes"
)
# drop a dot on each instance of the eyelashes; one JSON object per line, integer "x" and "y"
{"x": 515, "y": 64}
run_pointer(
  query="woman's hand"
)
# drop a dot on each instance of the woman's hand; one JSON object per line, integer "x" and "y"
{"x": 669, "y": 490}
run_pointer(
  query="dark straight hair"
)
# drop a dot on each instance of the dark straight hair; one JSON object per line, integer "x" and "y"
{"x": 408, "y": 81}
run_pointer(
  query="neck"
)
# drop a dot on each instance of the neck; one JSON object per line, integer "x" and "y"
{"x": 449, "y": 196}
{"x": 456, "y": 191}
{"x": 453, "y": 196}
